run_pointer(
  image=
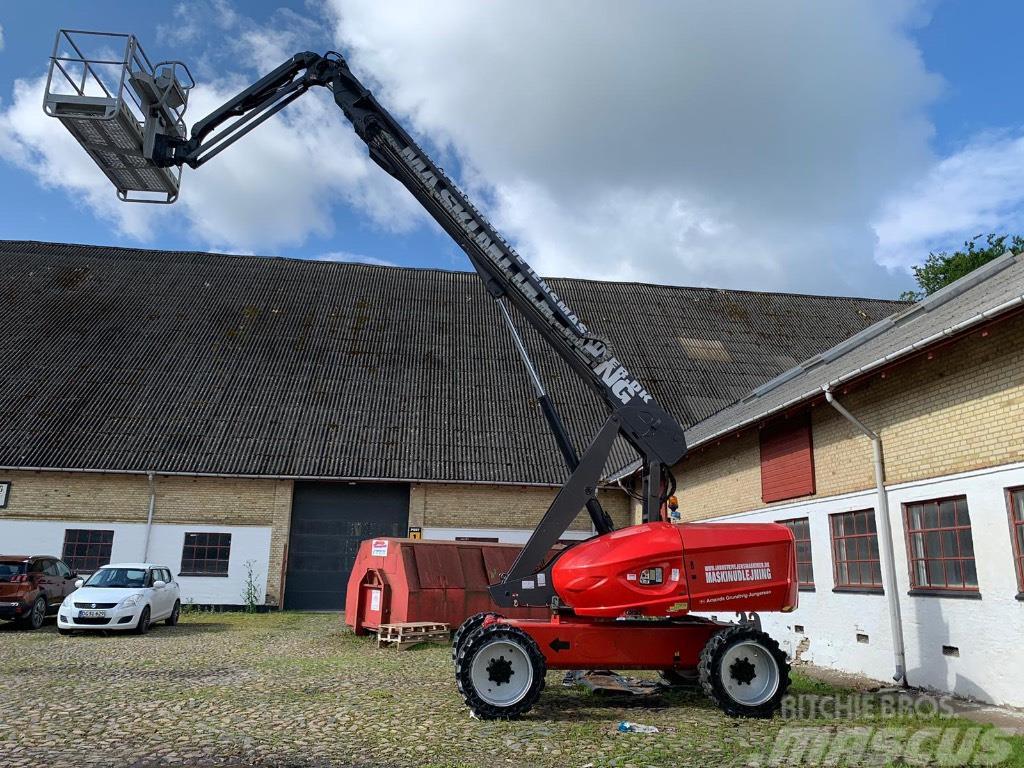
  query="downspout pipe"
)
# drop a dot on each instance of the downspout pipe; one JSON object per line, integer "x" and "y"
{"x": 149, "y": 518}
{"x": 885, "y": 536}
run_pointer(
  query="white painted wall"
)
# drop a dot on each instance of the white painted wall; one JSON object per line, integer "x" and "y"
{"x": 46, "y": 537}
{"x": 504, "y": 535}
{"x": 988, "y": 631}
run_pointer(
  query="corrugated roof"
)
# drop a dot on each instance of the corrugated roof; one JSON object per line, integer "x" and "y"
{"x": 141, "y": 360}
{"x": 987, "y": 292}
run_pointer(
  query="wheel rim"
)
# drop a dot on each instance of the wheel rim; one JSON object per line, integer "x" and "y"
{"x": 501, "y": 673}
{"x": 750, "y": 673}
{"x": 38, "y": 612}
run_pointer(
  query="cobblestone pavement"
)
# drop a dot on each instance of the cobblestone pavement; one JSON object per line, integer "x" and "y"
{"x": 297, "y": 690}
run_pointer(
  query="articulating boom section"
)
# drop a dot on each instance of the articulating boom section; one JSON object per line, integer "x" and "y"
{"x": 649, "y": 428}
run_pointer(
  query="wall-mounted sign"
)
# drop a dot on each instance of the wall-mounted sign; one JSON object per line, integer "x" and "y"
{"x": 415, "y": 533}
{"x": 5, "y": 491}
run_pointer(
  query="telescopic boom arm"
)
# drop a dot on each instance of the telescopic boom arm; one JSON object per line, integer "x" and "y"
{"x": 651, "y": 430}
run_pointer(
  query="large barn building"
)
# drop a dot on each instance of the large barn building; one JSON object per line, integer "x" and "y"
{"x": 227, "y": 414}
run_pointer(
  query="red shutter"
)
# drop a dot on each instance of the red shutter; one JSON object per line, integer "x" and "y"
{"x": 787, "y": 461}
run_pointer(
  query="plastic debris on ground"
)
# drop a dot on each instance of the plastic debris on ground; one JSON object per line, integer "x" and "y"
{"x": 627, "y": 727}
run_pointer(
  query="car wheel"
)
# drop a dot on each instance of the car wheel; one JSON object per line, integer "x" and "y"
{"x": 143, "y": 626}
{"x": 175, "y": 612}
{"x": 36, "y": 617}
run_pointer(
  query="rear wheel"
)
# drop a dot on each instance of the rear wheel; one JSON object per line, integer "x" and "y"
{"x": 175, "y": 613}
{"x": 744, "y": 672}
{"x": 37, "y": 615}
{"x": 500, "y": 671}
{"x": 143, "y": 626}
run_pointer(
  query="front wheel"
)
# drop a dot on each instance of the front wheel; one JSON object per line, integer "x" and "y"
{"x": 500, "y": 672}
{"x": 175, "y": 613}
{"x": 143, "y": 626}
{"x": 744, "y": 672}
{"x": 467, "y": 628}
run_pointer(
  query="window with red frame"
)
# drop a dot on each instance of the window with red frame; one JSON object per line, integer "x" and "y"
{"x": 86, "y": 550}
{"x": 801, "y": 529}
{"x": 1016, "y": 498}
{"x": 940, "y": 546}
{"x": 855, "y": 560}
{"x": 206, "y": 554}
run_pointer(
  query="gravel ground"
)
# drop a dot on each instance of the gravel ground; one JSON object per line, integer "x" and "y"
{"x": 291, "y": 689}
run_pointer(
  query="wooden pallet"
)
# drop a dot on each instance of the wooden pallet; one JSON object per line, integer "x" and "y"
{"x": 409, "y": 633}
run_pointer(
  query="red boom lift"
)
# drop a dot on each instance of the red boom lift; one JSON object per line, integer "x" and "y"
{"x": 623, "y": 599}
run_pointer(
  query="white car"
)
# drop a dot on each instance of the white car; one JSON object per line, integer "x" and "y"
{"x": 122, "y": 596}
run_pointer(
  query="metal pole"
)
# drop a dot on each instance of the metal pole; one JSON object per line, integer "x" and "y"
{"x": 885, "y": 537}
{"x": 149, "y": 518}
{"x": 602, "y": 522}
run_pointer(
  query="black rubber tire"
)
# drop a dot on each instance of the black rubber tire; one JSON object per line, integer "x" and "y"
{"x": 62, "y": 631}
{"x": 37, "y": 616}
{"x": 172, "y": 620}
{"x": 464, "y": 665}
{"x": 711, "y": 673}
{"x": 468, "y": 627}
{"x": 678, "y": 678}
{"x": 143, "y": 626}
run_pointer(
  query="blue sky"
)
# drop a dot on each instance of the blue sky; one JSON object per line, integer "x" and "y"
{"x": 829, "y": 169}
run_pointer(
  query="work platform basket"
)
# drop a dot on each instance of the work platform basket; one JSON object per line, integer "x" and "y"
{"x": 113, "y": 100}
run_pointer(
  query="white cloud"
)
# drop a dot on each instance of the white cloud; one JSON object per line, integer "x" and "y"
{"x": 761, "y": 146}
{"x": 349, "y": 256}
{"x": 276, "y": 187}
{"x": 729, "y": 144}
{"x": 1, "y": 37}
{"x": 41, "y": 146}
{"x": 977, "y": 190}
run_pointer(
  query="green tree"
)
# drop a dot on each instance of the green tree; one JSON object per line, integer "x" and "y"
{"x": 942, "y": 268}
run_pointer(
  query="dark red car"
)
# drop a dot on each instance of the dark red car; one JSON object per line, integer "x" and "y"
{"x": 33, "y": 586}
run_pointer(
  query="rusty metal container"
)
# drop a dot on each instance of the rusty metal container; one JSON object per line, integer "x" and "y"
{"x": 396, "y": 580}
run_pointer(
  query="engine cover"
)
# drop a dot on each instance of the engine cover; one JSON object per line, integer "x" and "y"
{"x": 661, "y": 569}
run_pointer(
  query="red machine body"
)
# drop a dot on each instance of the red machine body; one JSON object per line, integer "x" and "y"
{"x": 662, "y": 569}
{"x": 616, "y": 583}
{"x": 574, "y": 642}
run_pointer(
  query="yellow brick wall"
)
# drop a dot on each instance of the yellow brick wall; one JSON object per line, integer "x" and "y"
{"x": 961, "y": 410}
{"x": 498, "y": 506}
{"x": 77, "y": 496}
{"x": 179, "y": 500}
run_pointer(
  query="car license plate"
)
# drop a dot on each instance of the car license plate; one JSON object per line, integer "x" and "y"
{"x": 92, "y": 614}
